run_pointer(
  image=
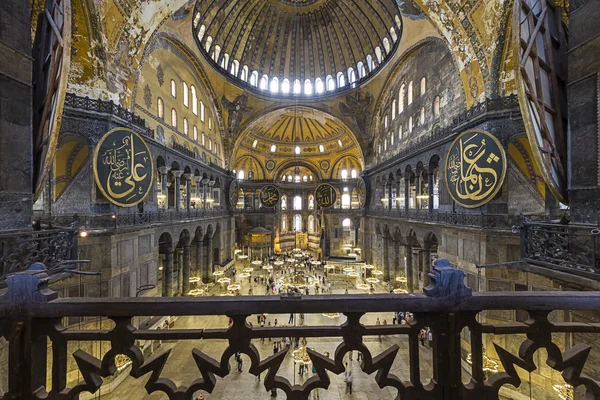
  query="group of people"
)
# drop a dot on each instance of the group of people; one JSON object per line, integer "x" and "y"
{"x": 403, "y": 317}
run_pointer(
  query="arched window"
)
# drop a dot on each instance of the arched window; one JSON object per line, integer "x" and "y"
{"x": 398, "y": 22}
{"x": 319, "y": 86}
{"x": 393, "y": 34}
{"x": 422, "y": 116}
{"x": 296, "y": 178}
{"x": 185, "y": 127}
{"x": 225, "y": 61}
{"x": 201, "y": 111}
{"x": 210, "y": 123}
{"x": 321, "y": 148}
{"x": 250, "y": 175}
{"x": 298, "y": 223}
{"x": 370, "y": 64}
{"x": 298, "y": 203}
{"x": 297, "y": 87}
{"x": 391, "y": 139}
{"x": 304, "y": 178}
{"x": 194, "y": 100}
{"x": 410, "y": 125}
{"x": 344, "y": 173}
{"x": 216, "y": 53}
{"x": 173, "y": 88}
{"x": 400, "y": 133}
{"x": 273, "y": 148}
{"x": 353, "y": 174}
{"x": 346, "y": 200}
{"x": 283, "y": 178}
{"x": 393, "y": 109}
{"x": 254, "y": 78}
{"x": 436, "y": 107}
{"x": 311, "y": 223}
{"x": 284, "y": 202}
{"x": 284, "y": 227}
{"x": 423, "y": 85}
{"x": 255, "y": 143}
{"x": 208, "y": 43}
{"x": 386, "y": 45}
{"x": 186, "y": 95}
{"x": 347, "y": 223}
{"x": 210, "y": 144}
{"x": 351, "y": 75}
{"x": 235, "y": 67}
{"x": 274, "y": 87}
{"x": 378, "y": 54}
{"x": 245, "y": 73}
{"x": 264, "y": 82}
{"x": 201, "y": 31}
{"x": 330, "y": 83}
{"x": 285, "y": 86}
{"x": 297, "y": 150}
{"x": 174, "y": 118}
{"x": 385, "y": 144}
{"x": 308, "y": 89}
{"x": 289, "y": 178}
{"x": 410, "y": 93}
{"x": 340, "y": 144}
{"x": 401, "y": 95}
{"x": 203, "y": 139}
{"x": 362, "y": 72}
{"x": 379, "y": 148}
{"x": 311, "y": 202}
{"x": 195, "y": 133}
{"x": 385, "y": 122}
{"x": 241, "y": 175}
{"x": 341, "y": 80}
{"x": 160, "y": 108}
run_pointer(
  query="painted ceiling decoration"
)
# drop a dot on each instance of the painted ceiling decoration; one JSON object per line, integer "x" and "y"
{"x": 276, "y": 46}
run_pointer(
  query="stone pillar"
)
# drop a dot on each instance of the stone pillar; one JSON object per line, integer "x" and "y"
{"x": 164, "y": 184}
{"x": 198, "y": 270}
{"x": 396, "y": 262}
{"x": 188, "y": 190}
{"x": 198, "y": 180}
{"x": 211, "y": 185}
{"x": 406, "y": 193}
{"x": 417, "y": 190}
{"x": 386, "y": 258}
{"x": 419, "y": 267}
{"x": 209, "y": 258}
{"x": 426, "y": 265}
{"x": 177, "y": 175}
{"x": 168, "y": 272}
{"x": 430, "y": 189}
{"x": 410, "y": 272}
{"x": 187, "y": 264}
{"x": 389, "y": 196}
{"x": 204, "y": 183}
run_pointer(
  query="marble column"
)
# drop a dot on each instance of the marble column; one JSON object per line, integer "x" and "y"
{"x": 198, "y": 270}
{"x": 187, "y": 263}
{"x": 418, "y": 268}
{"x": 430, "y": 190}
{"x": 209, "y": 258}
{"x": 164, "y": 185}
{"x": 397, "y": 259}
{"x": 386, "y": 259}
{"x": 177, "y": 175}
{"x": 188, "y": 190}
{"x": 406, "y": 194}
{"x": 211, "y": 185}
{"x": 204, "y": 198}
{"x": 389, "y": 195}
{"x": 198, "y": 180}
{"x": 410, "y": 272}
{"x": 168, "y": 272}
{"x": 418, "y": 190}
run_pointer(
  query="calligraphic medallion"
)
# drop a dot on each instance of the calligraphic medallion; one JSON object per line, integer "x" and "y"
{"x": 475, "y": 168}
{"x": 234, "y": 192}
{"x": 269, "y": 196}
{"x": 325, "y": 195}
{"x": 361, "y": 192}
{"x": 123, "y": 167}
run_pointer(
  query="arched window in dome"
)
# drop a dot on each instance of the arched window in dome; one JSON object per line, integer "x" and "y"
{"x": 186, "y": 95}
{"x": 310, "y": 178}
{"x": 410, "y": 93}
{"x": 321, "y": 148}
{"x": 340, "y": 143}
{"x": 245, "y": 73}
{"x": 273, "y": 148}
{"x": 255, "y": 143}
{"x": 341, "y": 80}
{"x": 201, "y": 31}
{"x": 285, "y": 86}
{"x": 402, "y": 95}
{"x": 393, "y": 34}
{"x": 353, "y": 174}
{"x": 194, "y": 100}
{"x": 304, "y": 178}
{"x": 378, "y": 54}
{"x": 296, "y": 178}
{"x": 208, "y": 43}
{"x": 362, "y": 72}
{"x": 423, "y": 85}
{"x": 370, "y": 63}
{"x": 436, "y": 107}
{"x": 297, "y": 87}
{"x": 254, "y": 78}
{"x": 284, "y": 202}
{"x": 319, "y": 87}
{"x": 196, "y": 19}
{"x": 289, "y": 178}
{"x": 398, "y": 22}
{"x": 274, "y": 87}
{"x": 386, "y": 45}
{"x": 202, "y": 111}
{"x": 225, "y": 61}
{"x": 250, "y": 175}
{"x": 393, "y": 109}
{"x": 174, "y": 118}
{"x": 186, "y": 128}
{"x": 235, "y": 67}
{"x": 241, "y": 174}
{"x": 297, "y": 150}
{"x": 344, "y": 173}
{"x": 283, "y": 178}
{"x": 385, "y": 122}
{"x": 264, "y": 82}
{"x": 173, "y": 88}
{"x": 160, "y": 105}
{"x": 330, "y": 83}
{"x": 311, "y": 202}
{"x": 351, "y": 75}
{"x": 308, "y": 89}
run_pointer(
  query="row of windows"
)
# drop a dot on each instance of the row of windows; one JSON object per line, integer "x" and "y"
{"x": 401, "y": 98}
{"x": 297, "y": 178}
{"x": 186, "y": 101}
{"x": 328, "y": 84}
{"x": 298, "y": 227}
{"x": 297, "y": 149}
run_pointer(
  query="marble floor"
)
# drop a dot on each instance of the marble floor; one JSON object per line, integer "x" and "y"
{"x": 182, "y": 369}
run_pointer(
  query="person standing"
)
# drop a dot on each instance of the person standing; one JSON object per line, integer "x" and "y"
{"x": 430, "y": 338}
{"x": 394, "y": 319}
{"x": 239, "y": 362}
{"x": 422, "y": 337}
{"x": 348, "y": 380}
{"x": 378, "y": 323}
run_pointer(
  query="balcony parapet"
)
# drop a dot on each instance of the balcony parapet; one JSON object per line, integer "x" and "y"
{"x": 489, "y": 221}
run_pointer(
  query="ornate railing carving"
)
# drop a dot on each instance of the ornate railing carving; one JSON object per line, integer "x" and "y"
{"x": 478, "y": 220}
{"x": 448, "y": 308}
{"x": 106, "y": 107}
{"x": 572, "y": 248}
{"x": 183, "y": 150}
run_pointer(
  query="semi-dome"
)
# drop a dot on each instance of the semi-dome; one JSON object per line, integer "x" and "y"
{"x": 297, "y": 47}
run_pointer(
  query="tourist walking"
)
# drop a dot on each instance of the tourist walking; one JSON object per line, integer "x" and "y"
{"x": 348, "y": 380}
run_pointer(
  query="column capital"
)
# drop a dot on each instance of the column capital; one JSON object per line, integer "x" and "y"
{"x": 197, "y": 179}
{"x": 164, "y": 169}
{"x": 205, "y": 181}
{"x": 177, "y": 172}
{"x": 188, "y": 176}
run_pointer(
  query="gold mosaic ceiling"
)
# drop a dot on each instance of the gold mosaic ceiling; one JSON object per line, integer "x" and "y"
{"x": 297, "y": 40}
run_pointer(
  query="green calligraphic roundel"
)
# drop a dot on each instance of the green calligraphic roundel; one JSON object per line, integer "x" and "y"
{"x": 475, "y": 168}
{"x": 269, "y": 196}
{"x": 325, "y": 195}
{"x": 234, "y": 190}
{"x": 123, "y": 167}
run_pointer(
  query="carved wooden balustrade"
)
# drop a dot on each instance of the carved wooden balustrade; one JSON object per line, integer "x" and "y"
{"x": 29, "y": 315}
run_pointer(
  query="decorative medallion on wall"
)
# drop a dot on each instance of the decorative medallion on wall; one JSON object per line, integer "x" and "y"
{"x": 325, "y": 195}
{"x": 270, "y": 164}
{"x": 160, "y": 75}
{"x": 123, "y": 167}
{"x": 147, "y": 96}
{"x": 234, "y": 190}
{"x": 475, "y": 168}
{"x": 324, "y": 165}
{"x": 361, "y": 192}
{"x": 269, "y": 196}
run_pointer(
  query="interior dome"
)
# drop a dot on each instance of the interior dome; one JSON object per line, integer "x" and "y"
{"x": 297, "y": 47}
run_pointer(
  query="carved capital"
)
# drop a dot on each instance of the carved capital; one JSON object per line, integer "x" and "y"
{"x": 177, "y": 173}
{"x": 164, "y": 170}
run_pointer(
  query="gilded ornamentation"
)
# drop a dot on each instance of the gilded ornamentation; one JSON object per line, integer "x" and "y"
{"x": 325, "y": 195}
{"x": 147, "y": 96}
{"x": 269, "y": 196}
{"x": 237, "y": 108}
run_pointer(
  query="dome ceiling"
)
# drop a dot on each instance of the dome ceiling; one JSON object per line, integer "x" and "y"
{"x": 285, "y": 47}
